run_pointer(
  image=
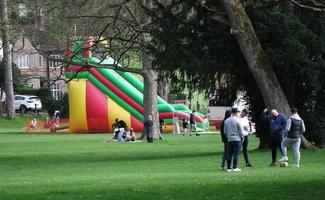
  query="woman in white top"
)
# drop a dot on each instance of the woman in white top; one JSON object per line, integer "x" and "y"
{"x": 246, "y": 127}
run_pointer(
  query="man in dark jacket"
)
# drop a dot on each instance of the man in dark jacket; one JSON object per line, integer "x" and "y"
{"x": 278, "y": 122}
{"x": 295, "y": 128}
{"x": 193, "y": 123}
{"x": 148, "y": 126}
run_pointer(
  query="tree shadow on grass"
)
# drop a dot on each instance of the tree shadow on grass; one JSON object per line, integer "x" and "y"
{"x": 158, "y": 189}
{"x": 59, "y": 159}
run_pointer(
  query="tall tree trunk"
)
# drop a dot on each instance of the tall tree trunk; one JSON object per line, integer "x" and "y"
{"x": 7, "y": 62}
{"x": 163, "y": 89}
{"x": 1, "y": 95}
{"x": 150, "y": 92}
{"x": 150, "y": 76}
{"x": 257, "y": 62}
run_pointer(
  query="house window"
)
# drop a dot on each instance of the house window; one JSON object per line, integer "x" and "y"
{"x": 40, "y": 59}
{"x": 23, "y": 61}
{"x": 54, "y": 63}
{"x": 55, "y": 90}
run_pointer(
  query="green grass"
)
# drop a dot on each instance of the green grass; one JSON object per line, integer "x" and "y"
{"x": 17, "y": 125}
{"x": 84, "y": 167}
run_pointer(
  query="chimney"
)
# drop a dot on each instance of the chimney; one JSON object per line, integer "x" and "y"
{"x": 40, "y": 20}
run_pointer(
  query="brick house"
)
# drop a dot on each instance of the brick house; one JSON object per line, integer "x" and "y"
{"x": 36, "y": 70}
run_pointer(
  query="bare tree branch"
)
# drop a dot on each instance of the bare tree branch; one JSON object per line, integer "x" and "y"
{"x": 317, "y": 9}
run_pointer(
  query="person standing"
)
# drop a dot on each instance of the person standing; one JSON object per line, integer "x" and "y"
{"x": 161, "y": 124}
{"x": 206, "y": 124}
{"x": 185, "y": 126}
{"x": 148, "y": 125}
{"x": 277, "y": 122}
{"x": 224, "y": 140}
{"x": 246, "y": 128}
{"x": 234, "y": 132}
{"x": 193, "y": 123}
{"x": 295, "y": 128}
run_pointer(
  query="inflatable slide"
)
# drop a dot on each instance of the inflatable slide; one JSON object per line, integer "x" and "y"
{"x": 97, "y": 95}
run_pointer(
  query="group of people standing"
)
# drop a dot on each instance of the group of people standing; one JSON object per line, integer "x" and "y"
{"x": 191, "y": 124}
{"x": 234, "y": 135}
{"x": 283, "y": 132}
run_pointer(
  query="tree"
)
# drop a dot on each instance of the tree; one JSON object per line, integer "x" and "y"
{"x": 123, "y": 23}
{"x": 183, "y": 29}
{"x": 7, "y": 62}
{"x": 256, "y": 59}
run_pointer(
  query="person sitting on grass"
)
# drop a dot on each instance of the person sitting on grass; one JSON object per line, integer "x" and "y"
{"x": 47, "y": 123}
{"x": 119, "y": 131}
{"x": 114, "y": 126}
{"x": 53, "y": 125}
{"x": 130, "y": 135}
{"x": 33, "y": 124}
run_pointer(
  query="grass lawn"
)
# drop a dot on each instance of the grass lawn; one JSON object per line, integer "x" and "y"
{"x": 18, "y": 125}
{"x": 84, "y": 167}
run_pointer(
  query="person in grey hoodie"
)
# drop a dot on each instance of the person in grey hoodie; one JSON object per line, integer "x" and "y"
{"x": 295, "y": 128}
{"x": 234, "y": 133}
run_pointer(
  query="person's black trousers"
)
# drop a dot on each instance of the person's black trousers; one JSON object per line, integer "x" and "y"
{"x": 245, "y": 151}
{"x": 275, "y": 143}
{"x": 225, "y": 154}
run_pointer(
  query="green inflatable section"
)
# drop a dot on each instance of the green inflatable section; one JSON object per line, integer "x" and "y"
{"x": 123, "y": 85}
{"x": 137, "y": 83}
{"x": 181, "y": 107}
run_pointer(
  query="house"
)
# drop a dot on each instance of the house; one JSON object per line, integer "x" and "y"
{"x": 28, "y": 53}
{"x": 36, "y": 70}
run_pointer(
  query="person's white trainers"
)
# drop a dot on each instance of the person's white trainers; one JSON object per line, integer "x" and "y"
{"x": 229, "y": 170}
{"x": 296, "y": 166}
{"x": 236, "y": 170}
{"x": 284, "y": 159}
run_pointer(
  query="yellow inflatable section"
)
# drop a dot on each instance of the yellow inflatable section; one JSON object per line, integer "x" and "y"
{"x": 116, "y": 110}
{"x": 77, "y": 114}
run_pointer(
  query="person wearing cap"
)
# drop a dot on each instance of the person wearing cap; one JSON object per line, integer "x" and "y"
{"x": 295, "y": 128}
{"x": 234, "y": 132}
{"x": 246, "y": 128}
{"x": 278, "y": 123}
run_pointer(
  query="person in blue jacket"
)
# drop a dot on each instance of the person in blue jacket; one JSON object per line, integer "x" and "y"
{"x": 278, "y": 122}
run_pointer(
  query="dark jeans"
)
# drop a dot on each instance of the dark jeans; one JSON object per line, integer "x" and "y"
{"x": 225, "y": 154}
{"x": 245, "y": 152}
{"x": 233, "y": 152}
{"x": 275, "y": 143}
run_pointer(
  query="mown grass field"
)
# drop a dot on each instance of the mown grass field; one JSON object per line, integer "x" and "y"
{"x": 85, "y": 167}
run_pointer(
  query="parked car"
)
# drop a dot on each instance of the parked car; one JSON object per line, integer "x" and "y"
{"x": 27, "y": 102}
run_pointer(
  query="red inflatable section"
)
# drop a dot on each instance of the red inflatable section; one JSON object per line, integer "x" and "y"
{"x": 136, "y": 124}
{"x": 165, "y": 115}
{"x": 116, "y": 90}
{"x": 96, "y": 109}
